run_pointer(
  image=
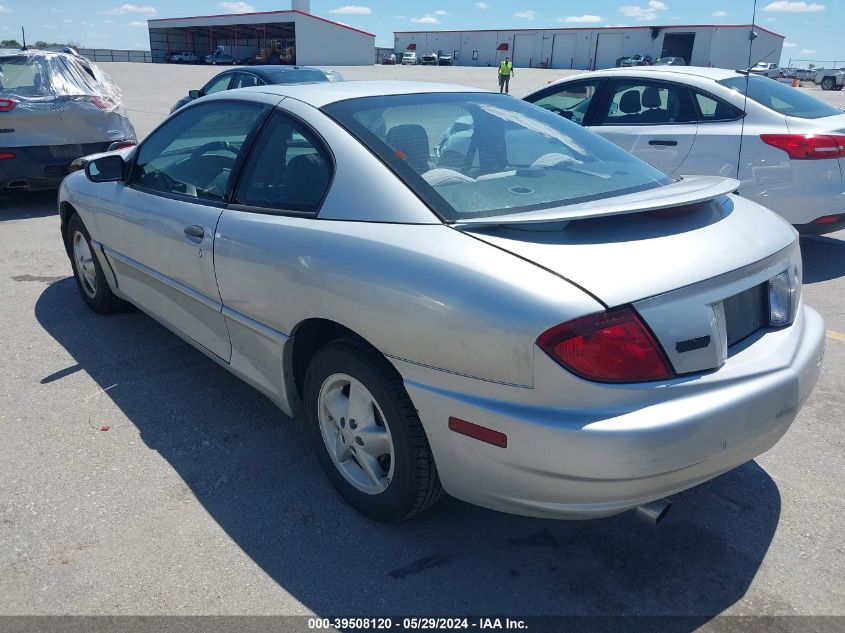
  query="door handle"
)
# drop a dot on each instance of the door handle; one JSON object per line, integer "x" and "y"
{"x": 192, "y": 230}
{"x": 666, "y": 143}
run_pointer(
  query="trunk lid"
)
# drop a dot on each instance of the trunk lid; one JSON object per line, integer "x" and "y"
{"x": 59, "y": 121}
{"x": 695, "y": 279}
{"x": 630, "y": 257}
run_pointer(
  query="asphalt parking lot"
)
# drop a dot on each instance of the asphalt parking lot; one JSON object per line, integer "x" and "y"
{"x": 203, "y": 498}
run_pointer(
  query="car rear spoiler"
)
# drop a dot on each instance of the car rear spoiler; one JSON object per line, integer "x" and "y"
{"x": 683, "y": 192}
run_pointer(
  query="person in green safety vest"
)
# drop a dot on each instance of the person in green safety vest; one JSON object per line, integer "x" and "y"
{"x": 505, "y": 74}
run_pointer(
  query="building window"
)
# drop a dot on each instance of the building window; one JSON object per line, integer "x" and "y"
{"x": 474, "y": 55}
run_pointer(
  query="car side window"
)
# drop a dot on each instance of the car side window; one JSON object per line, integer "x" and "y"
{"x": 571, "y": 100}
{"x": 712, "y": 109}
{"x": 288, "y": 170}
{"x": 246, "y": 80}
{"x": 194, "y": 152}
{"x": 218, "y": 84}
{"x": 638, "y": 102}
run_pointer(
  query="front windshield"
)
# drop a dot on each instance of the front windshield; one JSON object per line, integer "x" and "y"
{"x": 478, "y": 155}
{"x": 781, "y": 98}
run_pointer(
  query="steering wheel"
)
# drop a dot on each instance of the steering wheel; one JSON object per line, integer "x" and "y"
{"x": 214, "y": 146}
{"x": 566, "y": 114}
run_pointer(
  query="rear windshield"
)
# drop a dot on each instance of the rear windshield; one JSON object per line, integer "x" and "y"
{"x": 297, "y": 76}
{"x": 24, "y": 75}
{"x": 780, "y": 97}
{"x": 48, "y": 75}
{"x": 478, "y": 155}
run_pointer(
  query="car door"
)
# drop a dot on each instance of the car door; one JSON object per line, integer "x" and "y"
{"x": 719, "y": 138}
{"x": 573, "y": 100}
{"x": 655, "y": 120}
{"x": 266, "y": 237}
{"x": 159, "y": 234}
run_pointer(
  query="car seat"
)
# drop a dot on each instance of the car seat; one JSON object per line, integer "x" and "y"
{"x": 630, "y": 105}
{"x": 306, "y": 179}
{"x": 724, "y": 111}
{"x": 654, "y": 112}
{"x": 410, "y": 142}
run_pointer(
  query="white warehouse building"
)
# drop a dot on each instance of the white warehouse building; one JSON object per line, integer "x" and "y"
{"x": 722, "y": 46}
{"x": 293, "y": 36}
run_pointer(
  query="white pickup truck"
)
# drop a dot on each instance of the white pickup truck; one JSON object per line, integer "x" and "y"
{"x": 830, "y": 79}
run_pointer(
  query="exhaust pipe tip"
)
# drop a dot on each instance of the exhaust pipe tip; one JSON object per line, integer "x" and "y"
{"x": 654, "y": 511}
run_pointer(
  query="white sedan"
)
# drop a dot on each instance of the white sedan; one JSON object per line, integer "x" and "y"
{"x": 786, "y": 147}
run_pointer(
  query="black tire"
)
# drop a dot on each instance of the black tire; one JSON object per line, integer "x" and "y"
{"x": 100, "y": 298}
{"x": 415, "y": 485}
{"x": 827, "y": 83}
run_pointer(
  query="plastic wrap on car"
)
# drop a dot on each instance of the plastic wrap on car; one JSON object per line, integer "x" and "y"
{"x": 61, "y": 76}
{"x": 65, "y": 98}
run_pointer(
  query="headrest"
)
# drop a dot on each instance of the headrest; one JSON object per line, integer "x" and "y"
{"x": 630, "y": 102}
{"x": 651, "y": 97}
{"x": 410, "y": 142}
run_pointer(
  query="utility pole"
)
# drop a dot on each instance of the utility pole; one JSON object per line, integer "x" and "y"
{"x": 23, "y": 37}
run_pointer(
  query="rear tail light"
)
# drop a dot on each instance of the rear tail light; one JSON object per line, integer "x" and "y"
{"x": 120, "y": 145}
{"x": 808, "y": 146}
{"x": 827, "y": 219}
{"x": 611, "y": 346}
{"x": 6, "y": 155}
{"x": 7, "y": 104}
{"x": 104, "y": 103}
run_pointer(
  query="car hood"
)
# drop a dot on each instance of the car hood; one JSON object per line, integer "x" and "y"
{"x": 621, "y": 259}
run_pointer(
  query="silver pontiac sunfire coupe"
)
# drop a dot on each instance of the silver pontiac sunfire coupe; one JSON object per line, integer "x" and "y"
{"x": 534, "y": 321}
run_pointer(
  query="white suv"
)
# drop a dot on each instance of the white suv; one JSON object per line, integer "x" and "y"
{"x": 409, "y": 58}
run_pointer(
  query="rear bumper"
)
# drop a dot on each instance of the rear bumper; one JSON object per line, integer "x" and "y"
{"x": 820, "y": 229}
{"x": 44, "y": 167}
{"x": 799, "y": 203}
{"x": 577, "y": 463}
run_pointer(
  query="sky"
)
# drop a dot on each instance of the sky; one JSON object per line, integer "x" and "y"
{"x": 813, "y": 28}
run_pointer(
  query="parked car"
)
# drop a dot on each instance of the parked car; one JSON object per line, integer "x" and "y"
{"x": 257, "y": 76}
{"x": 541, "y": 329}
{"x": 429, "y": 59}
{"x": 805, "y": 74}
{"x": 767, "y": 69}
{"x": 782, "y": 144}
{"x": 388, "y": 60}
{"x": 409, "y": 57}
{"x": 184, "y": 58}
{"x": 670, "y": 61}
{"x": 638, "y": 59}
{"x": 54, "y": 107}
{"x": 219, "y": 58}
{"x": 830, "y": 79}
{"x": 444, "y": 60}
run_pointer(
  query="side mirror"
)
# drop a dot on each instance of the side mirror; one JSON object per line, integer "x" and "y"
{"x": 106, "y": 169}
{"x": 194, "y": 94}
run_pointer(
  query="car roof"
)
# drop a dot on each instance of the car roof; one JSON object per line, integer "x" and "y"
{"x": 35, "y": 52}
{"x": 716, "y": 74}
{"x": 267, "y": 71}
{"x": 323, "y": 93}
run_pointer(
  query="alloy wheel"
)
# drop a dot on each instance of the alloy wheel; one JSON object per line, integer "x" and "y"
{"x": 84, "y": 260}
{"x": 355, "y": 433}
